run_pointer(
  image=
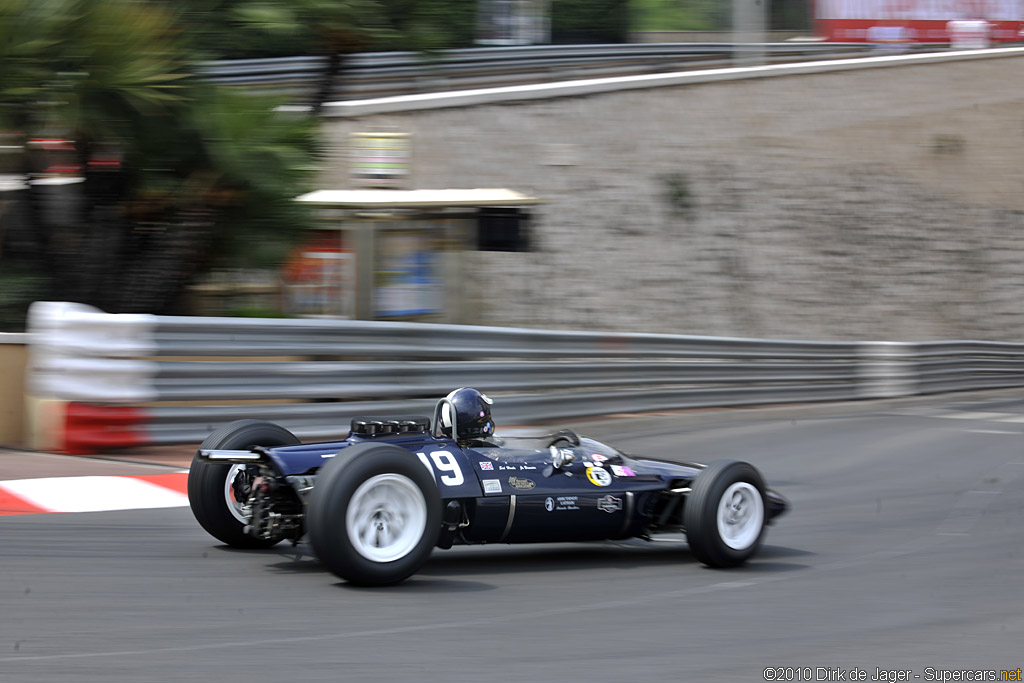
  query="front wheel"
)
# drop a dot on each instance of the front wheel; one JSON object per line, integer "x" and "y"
{"x": 216, "y": 491}
{"x": 725, "y": 513}
{"x": 374, "y": 515}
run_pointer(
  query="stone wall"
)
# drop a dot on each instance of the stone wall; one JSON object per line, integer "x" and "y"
{"x": 878, "y": 203}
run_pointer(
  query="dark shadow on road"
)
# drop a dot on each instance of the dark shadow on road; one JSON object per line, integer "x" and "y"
{"x": 496, "y": 560}
{"x": 758, "y": 567}
{"x": 295, "y": 565}
{"x": 241, "y": 551}
{"x": 613, "y": 556}
{"x": 515, "y": 559}
{"x": 418, "y": 584}
{"x": 770, "y": 551}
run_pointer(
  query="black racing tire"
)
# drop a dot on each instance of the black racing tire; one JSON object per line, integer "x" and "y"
{"x": 377, "y": 489}
{"x": 725, "y": 513}
{"x": 208, "y": 482}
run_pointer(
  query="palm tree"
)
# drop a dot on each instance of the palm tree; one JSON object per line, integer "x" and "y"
{"x": 333, "y": 29}
{"x": 167, "y": 167}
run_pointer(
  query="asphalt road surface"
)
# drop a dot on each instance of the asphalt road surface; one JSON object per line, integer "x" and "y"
{"x": 903, "y": 552}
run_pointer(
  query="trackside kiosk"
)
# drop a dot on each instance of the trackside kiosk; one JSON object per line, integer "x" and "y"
{"x": 381, "y": 254}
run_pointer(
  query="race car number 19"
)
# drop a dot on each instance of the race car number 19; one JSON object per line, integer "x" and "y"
{"x": 445, "y": 462}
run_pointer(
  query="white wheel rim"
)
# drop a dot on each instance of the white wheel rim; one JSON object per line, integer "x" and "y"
{"x": 386, "y": 517}
{"x": 740, "y": 515}
{"x": 234, "y": 506}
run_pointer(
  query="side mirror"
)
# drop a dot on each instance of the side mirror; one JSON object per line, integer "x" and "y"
{"x": 561, "y": 457}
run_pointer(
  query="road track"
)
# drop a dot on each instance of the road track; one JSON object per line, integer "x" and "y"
{"x": 903, "y": 551}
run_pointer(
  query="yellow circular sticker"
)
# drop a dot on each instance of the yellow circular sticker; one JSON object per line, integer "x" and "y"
{"x": 599, "y": 476}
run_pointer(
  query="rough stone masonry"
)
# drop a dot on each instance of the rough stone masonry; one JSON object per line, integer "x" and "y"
{"x": 882, "y": 203}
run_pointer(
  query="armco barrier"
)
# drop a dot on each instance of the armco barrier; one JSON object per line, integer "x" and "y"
{"x": 100, "y": 382}
{"x": 382, "y": 74}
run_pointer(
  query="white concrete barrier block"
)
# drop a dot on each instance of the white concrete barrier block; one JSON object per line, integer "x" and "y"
{"x": 89, "y": 331}
{"x": 71, "y": 349}
{"x": 96, "y": 380}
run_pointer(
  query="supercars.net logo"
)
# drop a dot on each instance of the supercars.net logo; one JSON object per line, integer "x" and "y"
{"x": 930, "y": 673}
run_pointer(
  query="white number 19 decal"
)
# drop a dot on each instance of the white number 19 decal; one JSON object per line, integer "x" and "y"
{"x": 445, "y": 462}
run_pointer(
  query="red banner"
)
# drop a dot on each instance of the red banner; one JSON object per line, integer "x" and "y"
{"x": 915, "y": 21}
{"x": 859, "y": 31}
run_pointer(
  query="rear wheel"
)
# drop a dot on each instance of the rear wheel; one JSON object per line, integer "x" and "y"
{"x": 725, "y": 513}
{"x": 216, "y": 491}
{"x": 374, "y": 515}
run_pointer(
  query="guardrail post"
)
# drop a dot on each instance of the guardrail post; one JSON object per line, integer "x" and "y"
{"x": 887, "y": 369}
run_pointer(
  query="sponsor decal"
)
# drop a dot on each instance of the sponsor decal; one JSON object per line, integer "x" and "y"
{"x": 560, "y": 503}
{"x": 609, "y": 504}
{"x": 521, "y": 484}
{"x": 599, "y": 476}
{"x": 597, "y": 457}
{"x": 587, "y": 464}
{"x": 487, "y": 465}
{"x": 492, "y": 486}
{"x": 622, "y": 471}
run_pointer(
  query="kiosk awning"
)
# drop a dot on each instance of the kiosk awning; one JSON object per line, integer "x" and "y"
{"x": 416, "y": 199}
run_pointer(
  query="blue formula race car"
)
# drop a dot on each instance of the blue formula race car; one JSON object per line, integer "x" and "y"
{"x": 376, "y": 504}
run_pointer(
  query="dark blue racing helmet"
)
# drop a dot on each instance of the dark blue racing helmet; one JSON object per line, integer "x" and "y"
{"x": 472, "y": 414}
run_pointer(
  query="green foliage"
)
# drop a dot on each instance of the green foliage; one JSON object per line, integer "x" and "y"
{"x": 217, "y": 29}
{"x": 589, "y": 21}
{"x": 322, "y": 26}
{"x": 678, "y": 193}
{"x": 19, "y": 287}
{"x": 255, "y": 312}
{"x": 245, "y": 160}
{"x": 25, "y": 32}
{"x": 790, "y": 15}
{"x": 268, "y": 28}
{"x": 947, "y": 144}
{"x": 243, "y": 29}
{"x": 431, "y": 24}
{"x": 713, "y": 15}
{"x": 200, "y": 175}
{"x": 680, "y": 15}
{"x": 86, "y": 65}
{"x": 240, "y": 29}
{"x": 259, "y": 230}
{"x": 253, "y": 144}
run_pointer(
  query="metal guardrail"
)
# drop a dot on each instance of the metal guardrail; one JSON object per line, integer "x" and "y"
{"x": 209, "y": 336}
{"x": 384, "y": 74}
{"x": 967, "y": 365}
{"x": 306, "y": 380}
{"x": 145, "y": 380}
